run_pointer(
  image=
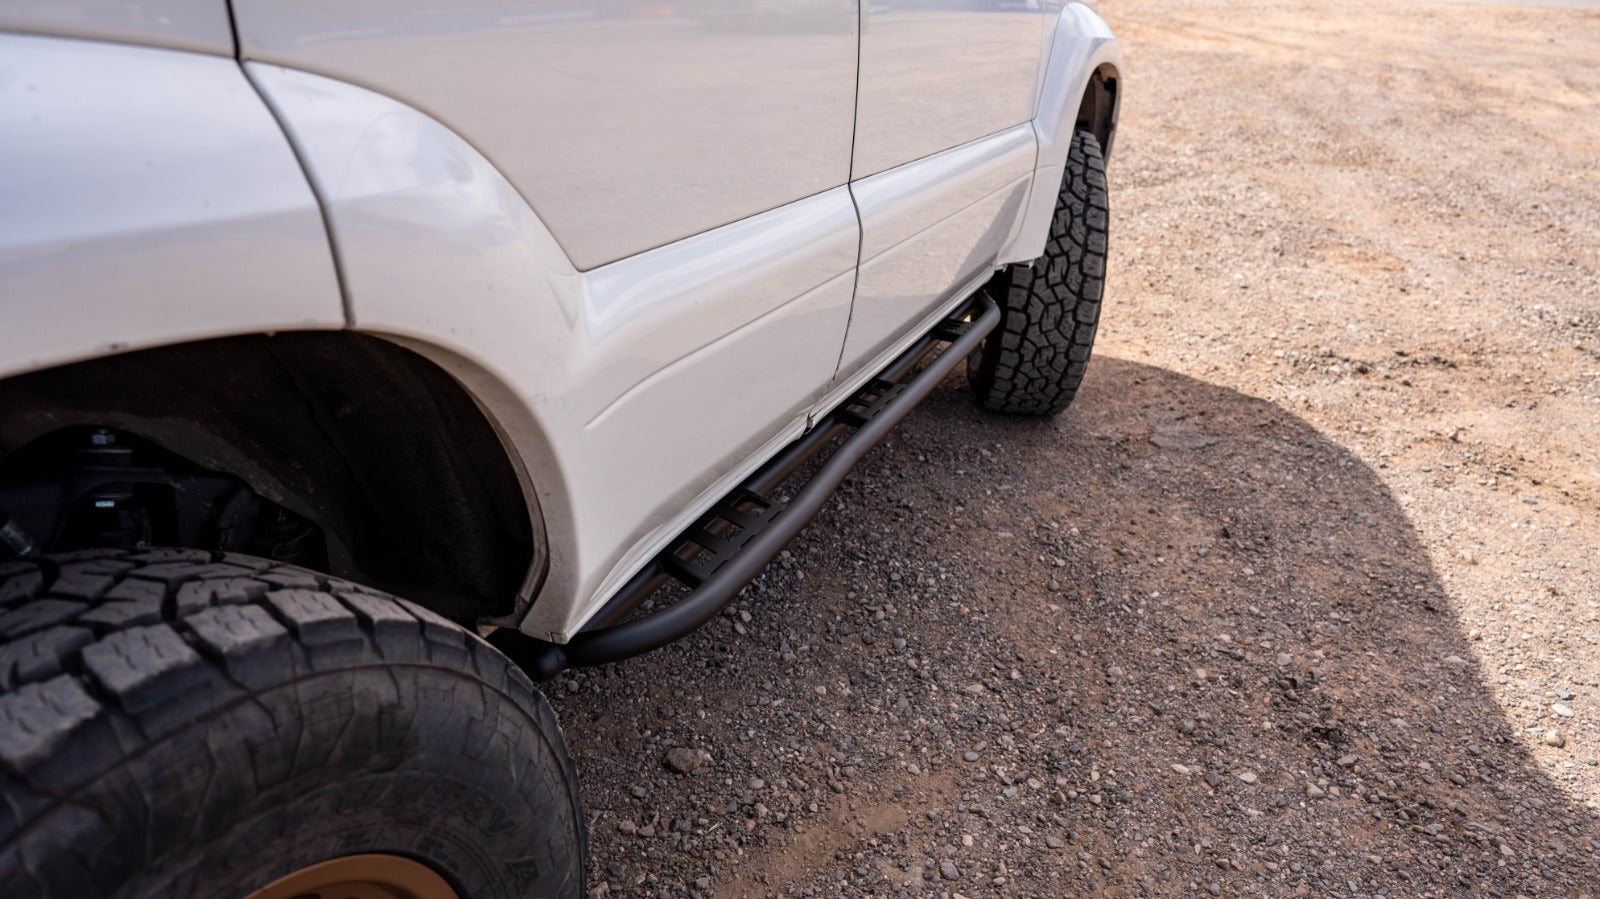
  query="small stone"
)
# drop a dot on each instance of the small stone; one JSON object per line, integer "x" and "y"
{"x": 1214, "y": 888}
{"x": 1248, "y": 777}
{"x": 1457, "y": 661}
{"x": 1054, "y": 842}
{"x": 1178, "y": 437}
{"x": 970, "y": 756}
{"x": 1347, "y": 761}
{"x": 1181, "y": 769}
{"x": 1315, "y": 792}
{"x": 947, "y": 870}
{"x": 1285, "y": 660}
{"x": 1561, "y": 709}
{"x": 1554, "y": 738}
{"x": 685, "y": 760}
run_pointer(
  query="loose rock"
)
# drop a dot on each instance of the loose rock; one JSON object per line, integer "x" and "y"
{"x": 685, "y": 760}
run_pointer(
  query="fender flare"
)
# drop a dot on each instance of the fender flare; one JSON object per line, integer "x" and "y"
{"x": 1081, "y": 45}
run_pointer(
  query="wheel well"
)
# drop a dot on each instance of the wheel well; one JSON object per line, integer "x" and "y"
{"x": 404, "y": 482}
{"x": 1097, "y": 114}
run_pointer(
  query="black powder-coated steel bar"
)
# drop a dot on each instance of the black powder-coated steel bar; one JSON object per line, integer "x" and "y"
{"x": 610, "y": 641}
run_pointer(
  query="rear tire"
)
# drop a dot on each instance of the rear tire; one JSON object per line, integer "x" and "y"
{"x": 1034, "y": 360}
{"x": 177, "y": 723}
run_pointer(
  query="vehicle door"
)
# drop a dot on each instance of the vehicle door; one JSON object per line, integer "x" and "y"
{"x": 626, "y": 125}
{"x": 943, "y": 154}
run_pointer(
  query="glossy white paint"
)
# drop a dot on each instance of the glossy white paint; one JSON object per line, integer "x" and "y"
{"x": 935, "y": 75}
{"x": 928, "y": 228}
{"x": 199, "y": 25}
{"x": 161, "y": 202}
{"x": 146, "y": 197}
{"x": 667, "y": 305}
{"x": 1080, "y": 44}
{"x": 625, "y": 126}
{"x": 633, "y": 394}
{"x": 904, "y": 202}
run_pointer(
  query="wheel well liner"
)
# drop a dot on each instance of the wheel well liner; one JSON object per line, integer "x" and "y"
{"x": 407, "y": 478}
{"x": 1097, "y": 114}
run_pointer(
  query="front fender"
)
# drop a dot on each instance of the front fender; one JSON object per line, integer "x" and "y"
{"x": 1081, "y": 44}
{"x": 147, "y": 197}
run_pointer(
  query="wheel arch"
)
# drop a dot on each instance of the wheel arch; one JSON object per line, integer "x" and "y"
{"x": 409, "y": 478}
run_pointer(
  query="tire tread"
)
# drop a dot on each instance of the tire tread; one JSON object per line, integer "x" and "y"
{"x": 1034, "y": 363}
{"x": 105, "y": 653}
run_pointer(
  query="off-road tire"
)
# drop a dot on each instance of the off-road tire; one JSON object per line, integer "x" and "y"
{"x": 1034, "y": 360}
{"x": 177, "y": 723}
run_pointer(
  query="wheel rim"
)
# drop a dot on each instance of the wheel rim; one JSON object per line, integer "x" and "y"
{"x": 360, "y": 877}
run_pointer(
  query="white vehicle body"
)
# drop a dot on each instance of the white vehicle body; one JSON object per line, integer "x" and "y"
{"x": 652, "y": 248}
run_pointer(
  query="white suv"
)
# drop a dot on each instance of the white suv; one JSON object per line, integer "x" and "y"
{"x": 524, "y": 310}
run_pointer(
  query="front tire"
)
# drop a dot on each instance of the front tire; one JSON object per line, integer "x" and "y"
{"x": 1034, "y": 360}
{"x": 178, "y": 723}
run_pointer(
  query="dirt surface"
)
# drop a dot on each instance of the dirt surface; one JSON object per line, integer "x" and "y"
{"x": 1299, "y": 598}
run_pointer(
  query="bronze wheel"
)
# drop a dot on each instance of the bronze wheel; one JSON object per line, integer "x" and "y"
{"x": 360, "y": 877}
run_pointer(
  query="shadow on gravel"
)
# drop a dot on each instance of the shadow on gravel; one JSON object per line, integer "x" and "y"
{"x": 1174, "y": 641}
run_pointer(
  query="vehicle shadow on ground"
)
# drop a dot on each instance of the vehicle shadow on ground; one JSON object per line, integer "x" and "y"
{"x": 1174, "y": 640}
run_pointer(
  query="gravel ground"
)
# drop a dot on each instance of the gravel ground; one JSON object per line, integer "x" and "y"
{"x": 1297, "y": 599}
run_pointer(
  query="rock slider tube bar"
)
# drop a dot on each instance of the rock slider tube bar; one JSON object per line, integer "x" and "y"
{"x": 760, "y": 527}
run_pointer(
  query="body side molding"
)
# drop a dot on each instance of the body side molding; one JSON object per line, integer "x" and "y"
{"x": 928, "y": 228}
